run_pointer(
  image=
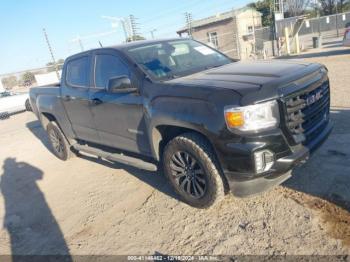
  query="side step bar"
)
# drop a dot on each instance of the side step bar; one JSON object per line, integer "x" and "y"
{"x": 127, "y": 160}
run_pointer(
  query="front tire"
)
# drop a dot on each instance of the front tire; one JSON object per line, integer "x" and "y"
{"x": 59, "y": 144}
{"x": 191, "y": 167}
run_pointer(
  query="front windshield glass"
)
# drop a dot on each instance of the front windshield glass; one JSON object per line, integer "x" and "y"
{"x": 171, "y": 59}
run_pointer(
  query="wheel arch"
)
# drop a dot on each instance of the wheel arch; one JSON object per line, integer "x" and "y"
{"x": 162, "y": 134}
{"x": 46, "y": 118}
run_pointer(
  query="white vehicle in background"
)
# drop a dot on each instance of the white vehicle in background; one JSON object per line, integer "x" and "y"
{"x": 346, "y": 41}
{"x": 11, "y": 103}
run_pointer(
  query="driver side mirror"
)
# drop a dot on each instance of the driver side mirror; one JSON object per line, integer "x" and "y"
{"x": 120, "y": 84}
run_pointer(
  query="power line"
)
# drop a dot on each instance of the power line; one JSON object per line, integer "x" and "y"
{"x": 198, "y": 12}
{"x": 170, "y": 11}
{"x": 80, "y": 39}
{"x": 152, "y": 33}
{"x": 122, "y": 21}
{"x": 196, "y": 6}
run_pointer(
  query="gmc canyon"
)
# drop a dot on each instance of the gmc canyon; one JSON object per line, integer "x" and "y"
{"x": 213, "y": 124}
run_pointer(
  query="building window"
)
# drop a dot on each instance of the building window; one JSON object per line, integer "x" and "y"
{"x": 250, "y": 29}
{"x": 213, "y": 39}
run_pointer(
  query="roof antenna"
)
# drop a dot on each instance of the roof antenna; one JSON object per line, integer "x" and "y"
{"x": 100, "y": 43}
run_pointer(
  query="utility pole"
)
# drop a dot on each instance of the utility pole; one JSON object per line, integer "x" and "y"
{"x": 273, "y": 32}
{"x": 336, "y": 17}
{"x": 318, "y": 19}
{"x": 278, "y": 14}
{"x": 134, "y": 27}
{"x": 122, "y": 21}
{"x": 51, "y": 52}
{"x": 254, "y": 36}
{"x": 79, "y": 39}
{"x": 80, "y": 43}
{"x": 188, "y": 17}
{"x": 152, "y": 33}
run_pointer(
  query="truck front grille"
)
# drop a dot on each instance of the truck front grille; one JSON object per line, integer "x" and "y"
{"x": 307, "y": 113}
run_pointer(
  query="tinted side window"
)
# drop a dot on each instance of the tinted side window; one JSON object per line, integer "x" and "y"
{"x": 78, "y": 72}
{"x": 106, "y": 67}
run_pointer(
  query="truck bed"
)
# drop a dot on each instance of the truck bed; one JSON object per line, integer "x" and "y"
{"x": 34, "y": 92}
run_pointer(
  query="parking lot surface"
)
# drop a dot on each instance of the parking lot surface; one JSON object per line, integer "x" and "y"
{"x": 91, "y": 206}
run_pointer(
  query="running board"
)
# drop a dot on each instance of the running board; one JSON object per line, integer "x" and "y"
{"x": 127, "y": 160}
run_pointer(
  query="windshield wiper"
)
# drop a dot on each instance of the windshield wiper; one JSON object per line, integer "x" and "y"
{"x": 172, "y": 76}
{"x": 214, "y": 66}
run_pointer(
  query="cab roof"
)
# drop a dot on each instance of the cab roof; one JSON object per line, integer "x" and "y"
{"x": 125, "y": 46}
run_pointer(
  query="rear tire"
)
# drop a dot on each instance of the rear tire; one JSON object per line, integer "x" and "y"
{"x": 4, "y": 116}
{"x": 28, "y": 106}
{"x": 191, "y": 167}
{"x": 59, "y": 143}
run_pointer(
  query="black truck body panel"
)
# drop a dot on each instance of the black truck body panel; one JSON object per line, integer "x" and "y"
{"x": 132, "y": 121}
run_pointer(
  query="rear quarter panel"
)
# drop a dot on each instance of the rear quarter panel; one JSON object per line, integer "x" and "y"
{"x": 47, "y": 100}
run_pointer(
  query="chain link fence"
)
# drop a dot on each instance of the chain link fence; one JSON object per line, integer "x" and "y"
{"x": 315, "y": 25}
{"x": 326, "y": 26}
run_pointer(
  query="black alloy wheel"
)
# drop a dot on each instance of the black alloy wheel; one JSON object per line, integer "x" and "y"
{"x": 188, "y": 173}
{"x": 59, "y": 143}
{"x": 193, "y": 171}
{"x": 56, "y": 141}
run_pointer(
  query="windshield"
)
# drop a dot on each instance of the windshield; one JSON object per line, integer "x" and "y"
{"x": 171, "y": 59}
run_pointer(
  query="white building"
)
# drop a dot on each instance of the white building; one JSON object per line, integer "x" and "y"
{"x": 47, "y": 78}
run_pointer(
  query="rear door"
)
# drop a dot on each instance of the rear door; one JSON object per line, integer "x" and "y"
{"x": 75, "y": 96}
{"x": 119, "y": 117}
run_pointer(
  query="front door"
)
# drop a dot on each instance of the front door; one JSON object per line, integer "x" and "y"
{"x": 75, "y": 97}
{"x": 119, "y": 117}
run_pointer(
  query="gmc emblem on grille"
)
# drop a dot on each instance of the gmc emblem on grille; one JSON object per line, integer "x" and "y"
{"x": 313, "y": 98}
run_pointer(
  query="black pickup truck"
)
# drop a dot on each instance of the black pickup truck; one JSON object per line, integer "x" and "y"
{"x": 212, "y": 123}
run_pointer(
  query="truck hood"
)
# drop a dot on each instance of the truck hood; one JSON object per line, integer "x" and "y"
{"x": 251, "y": 76}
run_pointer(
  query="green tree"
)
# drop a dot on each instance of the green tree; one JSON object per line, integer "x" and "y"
{"x": 346, "y": 7}
{"x": 328, "y": 7}
{"x": 60, "y": 63}
{"x": 28, "y": 78}
{"x": 135, "y": 38}
{"x": 51, "y": 65}
{"x": 296, "y": 7}
{"x": 9, "y": 82}
{"x": 264, "y": 7}
{"x": 343, "y": 6}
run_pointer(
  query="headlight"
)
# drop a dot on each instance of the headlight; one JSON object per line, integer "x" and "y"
{"x": 254, "y": 117}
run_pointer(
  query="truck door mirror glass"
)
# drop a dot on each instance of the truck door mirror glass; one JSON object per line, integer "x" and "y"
{"x": 120, "y": 84}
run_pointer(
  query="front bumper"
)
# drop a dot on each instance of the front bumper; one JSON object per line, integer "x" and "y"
{"x": 243, "y": 184}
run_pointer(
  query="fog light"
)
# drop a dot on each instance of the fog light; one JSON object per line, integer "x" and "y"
{"x": 263, "y": 160}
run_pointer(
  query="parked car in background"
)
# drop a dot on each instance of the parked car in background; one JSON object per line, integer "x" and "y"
{"x": 346, "y": 41}
{"x": 11, "y": 103}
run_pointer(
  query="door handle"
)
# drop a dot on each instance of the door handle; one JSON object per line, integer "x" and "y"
{"x": 67, "y": 98}
{"x": 96, "y": 101}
